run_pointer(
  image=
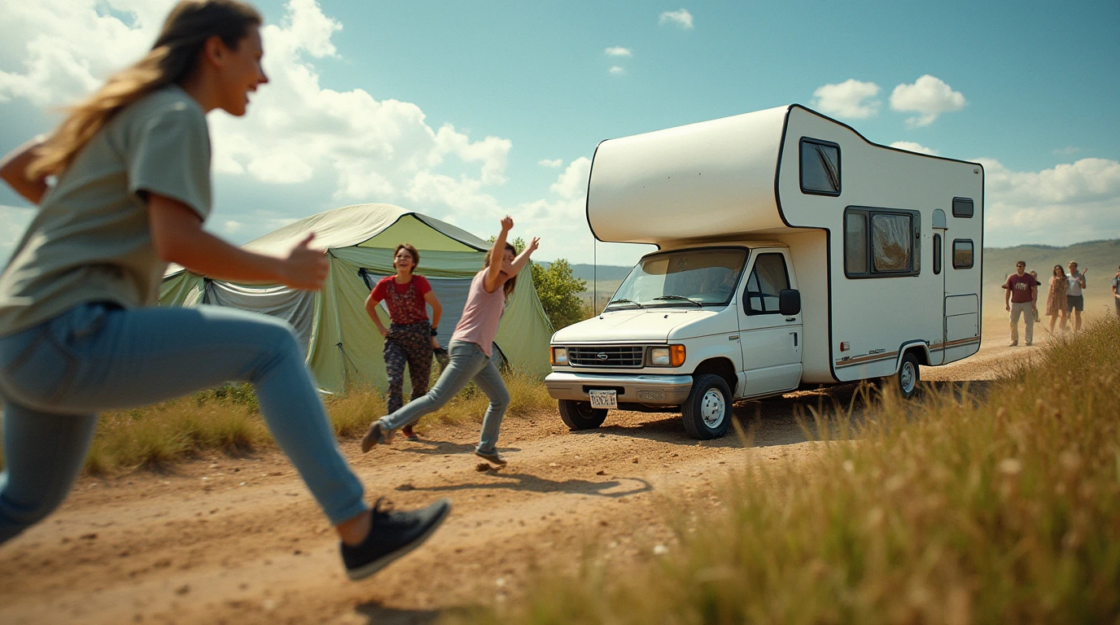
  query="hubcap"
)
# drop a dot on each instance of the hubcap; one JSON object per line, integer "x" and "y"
{"x": 712, "y": 408}
{"x": 907, "y": 378}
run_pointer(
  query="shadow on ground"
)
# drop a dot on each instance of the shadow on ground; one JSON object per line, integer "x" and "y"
{"x": 537, "y": 484}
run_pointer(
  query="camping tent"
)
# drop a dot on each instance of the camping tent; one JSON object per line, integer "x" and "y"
{"x": 343, "y": 345}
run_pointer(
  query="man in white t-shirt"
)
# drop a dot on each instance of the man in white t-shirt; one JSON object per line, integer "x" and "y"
{"x": 1074, "y": 296}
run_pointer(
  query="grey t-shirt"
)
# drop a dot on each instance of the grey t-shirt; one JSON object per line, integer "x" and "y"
{"x": 91, "y": 240}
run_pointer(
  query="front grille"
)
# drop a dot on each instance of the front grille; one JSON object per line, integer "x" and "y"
{"x": 606, "y": 356}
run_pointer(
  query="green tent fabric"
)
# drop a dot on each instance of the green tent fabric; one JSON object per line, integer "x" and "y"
{"x": 343, "y": 345}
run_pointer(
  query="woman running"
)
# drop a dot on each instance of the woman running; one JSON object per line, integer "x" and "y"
{"x": 471, "y": 350}
{"x": 78, "y": 329}
{"x": 410, "y": 339}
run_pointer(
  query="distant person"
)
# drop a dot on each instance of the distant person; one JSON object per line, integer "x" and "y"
{"x": 79, "y": 329}
{"x": 1116, "y": 292}
{"x": 1020, "y": 300}
{"x": 1037, "y": 282}
{"x": 1056, "y": 298}
{"x": 1075, "y": 297}
{"x": 471, "y": 350}
{"x": 410, "y": 338}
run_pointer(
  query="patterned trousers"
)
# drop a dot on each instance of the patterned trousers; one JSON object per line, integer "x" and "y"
{"x": 409, "y": 344}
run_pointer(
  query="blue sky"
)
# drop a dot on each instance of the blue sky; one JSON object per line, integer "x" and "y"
{"x": 467, "y": 111}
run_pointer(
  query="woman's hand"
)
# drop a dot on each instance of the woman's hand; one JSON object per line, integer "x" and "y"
{"x": 384, "y": 332}
{"x": 507, "y": 223}
{"x": 533, "y": 245}
{"x": 435, "y": 343}
{"x": 305, "y": 268}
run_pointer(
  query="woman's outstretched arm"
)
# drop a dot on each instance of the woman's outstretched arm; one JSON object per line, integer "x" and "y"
{"x": 13, "y": 170}
{"x": 179, "y": 238}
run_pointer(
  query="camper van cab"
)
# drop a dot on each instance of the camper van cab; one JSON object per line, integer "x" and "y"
{"x": 791, "y": 252}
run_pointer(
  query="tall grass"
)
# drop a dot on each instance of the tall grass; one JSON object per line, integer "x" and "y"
{"x": 227, "y": 420}
{"x": 957, "y": 509}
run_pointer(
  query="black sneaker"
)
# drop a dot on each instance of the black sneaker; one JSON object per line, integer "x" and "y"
{"x": 376, "y": 435}
{"x": 391, "y": 536}
{"x": 493, "y": 457}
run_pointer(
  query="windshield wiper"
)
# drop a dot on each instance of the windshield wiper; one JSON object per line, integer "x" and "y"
{"x": 681, "y": 298}
{"x": 624, "y": 301}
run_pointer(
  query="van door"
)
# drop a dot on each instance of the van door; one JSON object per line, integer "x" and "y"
{"x": 771, "y": 342}
{"x": 940, "y": 227}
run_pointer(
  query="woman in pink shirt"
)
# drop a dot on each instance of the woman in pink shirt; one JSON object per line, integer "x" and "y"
{"x": 471, "y": 350}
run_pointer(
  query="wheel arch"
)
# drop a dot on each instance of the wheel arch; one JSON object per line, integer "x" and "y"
{"x": 721, "y": 366}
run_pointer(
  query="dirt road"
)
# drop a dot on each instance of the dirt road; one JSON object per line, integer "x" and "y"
{"x": 241, "y": 541}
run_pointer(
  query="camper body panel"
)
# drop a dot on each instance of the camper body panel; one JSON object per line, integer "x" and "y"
{"x": 877, "y": 316}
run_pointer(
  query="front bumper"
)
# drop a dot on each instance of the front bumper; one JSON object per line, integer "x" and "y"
{"x": 654, "y": 390}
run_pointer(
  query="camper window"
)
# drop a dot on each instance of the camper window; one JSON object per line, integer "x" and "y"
{"x": 682, "y": 278}
{"x": 936, "y": 254}
{"x": 962, "y": 207}
{"x": 820, "y": 167}
{"x": 767, "y": 280}
{"x": 962, "y": 254}
{"x": 880, "y": 243}
{"x": 855, "y": 243}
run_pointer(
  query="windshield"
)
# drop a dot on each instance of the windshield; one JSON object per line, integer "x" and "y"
{"x": 683, "y": 278}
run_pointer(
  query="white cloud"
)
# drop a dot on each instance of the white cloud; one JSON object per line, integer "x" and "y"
{"x": 619, "y": 51}
{"x": 302, "y": 148}
{"x": 851, "y": 98}
{"x": 553, "y": 163}
{"x": 617, "y": 70}
{"x": 573, "y": 182}
{"x": 929, "y": 97}
{"x": 680, "y": 17}
{"x": 347, "y": 145}
{"x": 913, "y": 147}
{"x": 51, "y": 41}
{"x": 1057, "y": 206}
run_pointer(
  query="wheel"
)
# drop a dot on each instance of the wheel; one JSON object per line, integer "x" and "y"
{"x": 707, "y": 411}
{"x": 908, "y": 379}
{"x": 579, "y": 415}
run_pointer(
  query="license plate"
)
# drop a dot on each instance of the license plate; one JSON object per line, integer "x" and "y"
{"x": 604, "y": 399}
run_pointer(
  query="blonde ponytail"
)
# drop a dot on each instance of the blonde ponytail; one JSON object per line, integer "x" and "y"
{"x": 172, "y": 58}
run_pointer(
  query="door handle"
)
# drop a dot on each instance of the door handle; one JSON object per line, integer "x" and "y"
{"x": 794, "y": 338}
{"x": 789, "y": 319}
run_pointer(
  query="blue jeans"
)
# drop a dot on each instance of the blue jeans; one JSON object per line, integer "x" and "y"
{"x": 55, "y": 377}
{"x": 468, "y": 362}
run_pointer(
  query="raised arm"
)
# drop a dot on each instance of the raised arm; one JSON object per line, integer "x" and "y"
{"x": 13, "y": 170}
{"x": 523, "y": 258}
{"x": 179, "y": 238}
{"x": 494, "y": 272}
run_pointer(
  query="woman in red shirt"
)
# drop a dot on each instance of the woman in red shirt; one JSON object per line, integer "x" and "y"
{"x": 410, "y": 339}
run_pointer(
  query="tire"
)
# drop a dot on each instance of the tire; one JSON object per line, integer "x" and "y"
{"x": 908, "y": 380}
{"x": 579, "y": 415}
{"x": 707, "y": 411}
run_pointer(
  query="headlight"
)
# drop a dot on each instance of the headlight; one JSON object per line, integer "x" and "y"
{"x": 559, "y": 356}
{"x": 669, "y": 356}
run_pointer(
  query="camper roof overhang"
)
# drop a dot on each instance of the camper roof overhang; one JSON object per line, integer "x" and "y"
{"x": 710, "y": 179}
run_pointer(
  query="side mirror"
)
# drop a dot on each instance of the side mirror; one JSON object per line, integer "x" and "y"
{"x": 789, "y": 302}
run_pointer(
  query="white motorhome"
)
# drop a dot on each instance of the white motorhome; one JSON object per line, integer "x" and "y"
{"x": 791, "y": 252}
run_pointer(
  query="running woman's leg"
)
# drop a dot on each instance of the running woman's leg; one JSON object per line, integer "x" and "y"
{"x": 123, "y": 358}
